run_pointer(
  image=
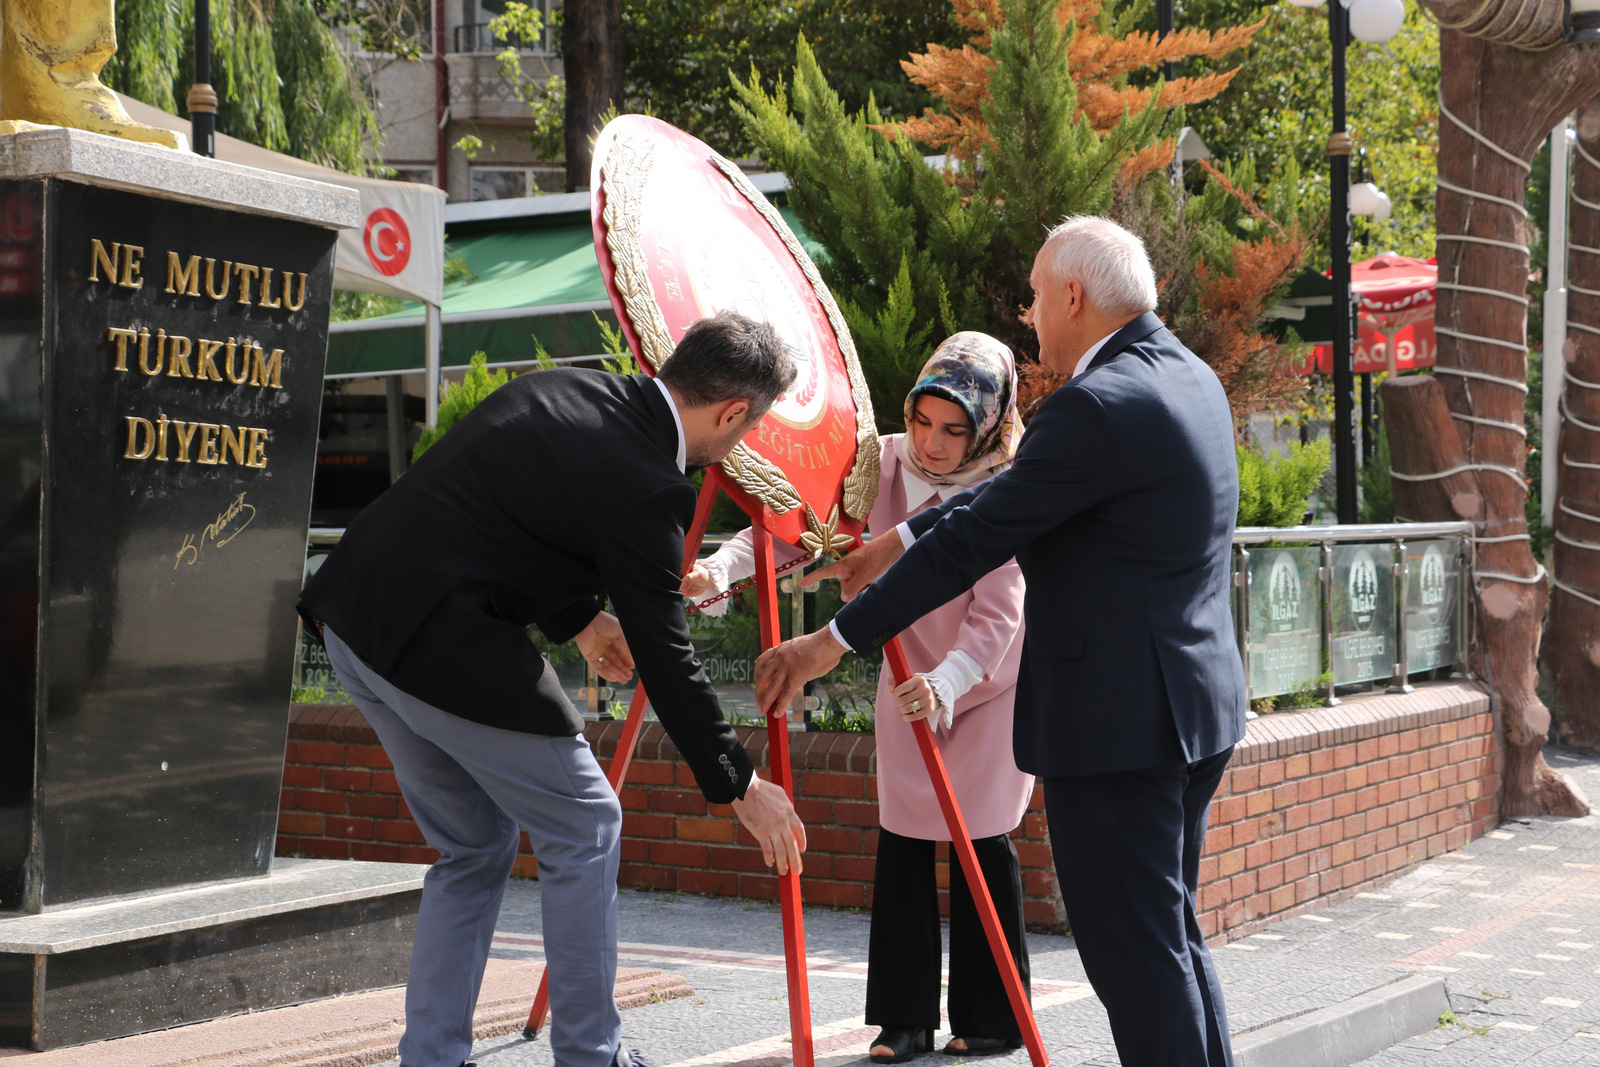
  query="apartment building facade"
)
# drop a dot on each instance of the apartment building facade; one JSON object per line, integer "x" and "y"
{"x": 455, "y": 92}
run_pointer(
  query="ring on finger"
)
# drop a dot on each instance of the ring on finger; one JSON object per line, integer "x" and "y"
{"x": 916, "y": 706}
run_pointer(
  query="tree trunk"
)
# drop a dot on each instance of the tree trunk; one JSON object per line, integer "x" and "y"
{"x": 1572, "y": 632}
{"x": 591, "y": 54}
{"x": 1504, "y": 101}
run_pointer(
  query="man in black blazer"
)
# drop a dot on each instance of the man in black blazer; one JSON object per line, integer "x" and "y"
{"x": 559, "y": 489}
{"x": 1120, "y": 510}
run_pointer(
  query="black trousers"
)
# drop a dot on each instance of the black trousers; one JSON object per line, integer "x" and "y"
{"x": 1127, "y": 852}
{"x": 903, "y": 953}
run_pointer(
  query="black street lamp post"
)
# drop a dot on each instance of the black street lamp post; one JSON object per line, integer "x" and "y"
{"x": 1344, "y": 408}
{"x": 202, "y": 101}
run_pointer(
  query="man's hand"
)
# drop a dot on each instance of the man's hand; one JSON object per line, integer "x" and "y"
{"x": 767, "y": 813}
{"x": 603, "y": 645}
{"x": 783, "y": 669}
{"x": 858, "y": 570}
{"x": 697, "y": 584}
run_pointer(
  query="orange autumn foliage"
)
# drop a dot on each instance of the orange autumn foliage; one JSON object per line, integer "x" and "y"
{"x": 959, "y": 78}
{"x": 1232, "y": 303}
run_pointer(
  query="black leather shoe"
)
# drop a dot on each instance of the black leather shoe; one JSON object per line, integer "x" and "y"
{"x": 980, "y": 1046}
{"x": 906, "y": 1041}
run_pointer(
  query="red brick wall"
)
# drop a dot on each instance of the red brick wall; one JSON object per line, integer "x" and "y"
{"x": 1316, "y": 805}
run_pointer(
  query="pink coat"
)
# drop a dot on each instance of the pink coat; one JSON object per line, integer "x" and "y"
{"x": 986, "y": 624}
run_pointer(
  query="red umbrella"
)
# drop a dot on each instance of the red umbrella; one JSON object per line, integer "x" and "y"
{"x": 1395, "y": 317}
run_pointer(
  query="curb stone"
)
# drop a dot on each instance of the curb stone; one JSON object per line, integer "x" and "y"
{"x": 1350, "y": 1032}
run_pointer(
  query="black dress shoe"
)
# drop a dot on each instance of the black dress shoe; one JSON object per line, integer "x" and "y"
{"x": 630, "y": 1057}
{"x": 906, "y": 1041}
{"x": 980, "y": 1046}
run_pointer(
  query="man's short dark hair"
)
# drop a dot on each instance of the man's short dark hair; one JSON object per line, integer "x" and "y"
{"x": 729, "y": 357}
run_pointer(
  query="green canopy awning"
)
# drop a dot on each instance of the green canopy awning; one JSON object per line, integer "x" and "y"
{"x": 531, "y": 277}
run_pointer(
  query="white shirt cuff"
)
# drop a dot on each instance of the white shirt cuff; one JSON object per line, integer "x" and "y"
{"x": 907, "y": 538}
{"x": 833, "y": 628}
{"x": 951, "y": 680}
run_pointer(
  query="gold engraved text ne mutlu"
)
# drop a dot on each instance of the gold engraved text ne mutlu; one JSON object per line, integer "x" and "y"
{"x": 227, "y": 279}
{"x": 291, "y": 304}
{"x": 121, "y": 264}
{"x": 247, "y": 274}
{"x": 183, "y": 278}
{"x": 267, "y": 300}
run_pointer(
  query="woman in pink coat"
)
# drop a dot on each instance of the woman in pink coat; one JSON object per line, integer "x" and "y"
{"x": 962, "y": 429}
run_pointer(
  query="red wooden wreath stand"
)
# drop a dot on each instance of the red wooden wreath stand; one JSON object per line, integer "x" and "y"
{"x": 794, "y": 937}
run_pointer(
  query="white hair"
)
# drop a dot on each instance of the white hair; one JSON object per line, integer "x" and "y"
{"x": 1108, "y": 261}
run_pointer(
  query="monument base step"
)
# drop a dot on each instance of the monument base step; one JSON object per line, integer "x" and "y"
{"x": 308, "y": 930}
{"x": 351, "y": 1031}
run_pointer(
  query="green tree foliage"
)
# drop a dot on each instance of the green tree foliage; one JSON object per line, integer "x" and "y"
{"x": 912, "y": 249}
{"x": 282, "y": 77}
{"x": 681, "y": 52}
{"x": 1279, "y": 111}
{"x": 460, "y": 399}
{"x": 1273, "y": 490}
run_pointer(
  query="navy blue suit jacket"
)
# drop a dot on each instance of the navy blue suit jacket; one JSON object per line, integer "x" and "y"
{"x": 1120, "y": 510}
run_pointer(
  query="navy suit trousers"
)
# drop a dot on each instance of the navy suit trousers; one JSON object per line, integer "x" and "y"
{"x": 1127, "y": 851}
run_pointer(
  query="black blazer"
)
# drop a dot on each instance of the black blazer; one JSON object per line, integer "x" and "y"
{"x": 559, "y": 488}
{"x": 1120, "y": 510}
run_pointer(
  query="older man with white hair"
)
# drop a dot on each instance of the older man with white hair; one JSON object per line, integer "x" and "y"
{"x": 1120, "y": 510}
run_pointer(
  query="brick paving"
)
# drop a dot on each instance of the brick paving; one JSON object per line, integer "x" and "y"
{"x": 1511, "y": 922}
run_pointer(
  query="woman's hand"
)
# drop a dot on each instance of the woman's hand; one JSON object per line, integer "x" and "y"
{"x": 916, "y": 699}
{"x": 697, "y": 584}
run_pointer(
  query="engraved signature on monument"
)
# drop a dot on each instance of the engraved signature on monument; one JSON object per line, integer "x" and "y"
{"x": 214, "y": 532}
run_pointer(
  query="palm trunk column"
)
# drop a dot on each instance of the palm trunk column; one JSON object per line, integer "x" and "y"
{"x": 1339, "y": 145}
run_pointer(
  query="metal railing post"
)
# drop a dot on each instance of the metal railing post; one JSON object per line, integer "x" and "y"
{"x": 1241, "y": 613}
{"x": 1402, "y": 575}
{"x": 1325, "y": 581}
{"x": 1466, "y": 560}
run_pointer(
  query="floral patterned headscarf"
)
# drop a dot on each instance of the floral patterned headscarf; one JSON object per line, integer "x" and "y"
{"x": 978, "y": 374}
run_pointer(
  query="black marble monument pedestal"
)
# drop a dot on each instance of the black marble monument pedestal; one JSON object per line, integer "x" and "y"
{"x": 310, "y": 929}
{"x": 163, "y": 333}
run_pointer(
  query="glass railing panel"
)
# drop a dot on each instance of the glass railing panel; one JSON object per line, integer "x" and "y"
{"x": 1431, "y": 615}
{"x": 1362, "y": 593}
{"x": 1285, "y": 620}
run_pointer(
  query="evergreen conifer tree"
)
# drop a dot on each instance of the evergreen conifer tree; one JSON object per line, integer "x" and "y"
{"x": 915, "y": 252}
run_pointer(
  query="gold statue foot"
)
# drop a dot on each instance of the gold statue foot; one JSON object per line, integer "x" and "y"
{"x": 93, "y": 107}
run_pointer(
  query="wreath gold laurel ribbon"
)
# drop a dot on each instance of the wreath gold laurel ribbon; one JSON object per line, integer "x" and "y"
{"x": 627, "y": 169}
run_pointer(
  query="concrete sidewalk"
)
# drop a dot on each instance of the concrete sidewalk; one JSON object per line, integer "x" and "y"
{"x": 1509, "y": 924}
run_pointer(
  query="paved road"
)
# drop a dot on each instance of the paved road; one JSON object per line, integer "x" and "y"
{"x": 1511, "y": 922}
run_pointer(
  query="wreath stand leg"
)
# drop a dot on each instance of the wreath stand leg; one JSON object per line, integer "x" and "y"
{"x": 623, "y": 756}
{"x": 961, "y": 845}
{"x": 794, "y": 933}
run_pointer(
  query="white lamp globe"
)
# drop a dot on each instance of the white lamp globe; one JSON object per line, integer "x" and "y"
{"x": 1385, "y": 208}
{"x": 1376, "y": 21}
{"x": 1364, "y": 198}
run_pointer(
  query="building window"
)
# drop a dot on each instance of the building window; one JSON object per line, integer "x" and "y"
{"x": 501, "y": 183}
{"x": 421, "y": 174}
{"x": 474, "y": 35}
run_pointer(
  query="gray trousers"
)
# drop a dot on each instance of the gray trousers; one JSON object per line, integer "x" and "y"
{"x": 469, "y": 787}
